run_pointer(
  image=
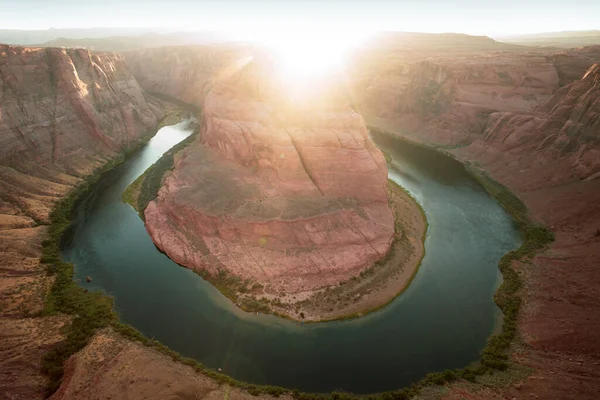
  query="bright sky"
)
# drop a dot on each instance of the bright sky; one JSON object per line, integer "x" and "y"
{"x": 261, "y": 17}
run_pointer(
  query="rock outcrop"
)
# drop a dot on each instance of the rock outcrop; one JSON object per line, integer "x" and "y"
{"x": 287, "y": 193}
{"x": 550, "y": 156}
{"x": 447, "y": 96}
{"x": 185, "y": 73}
{"x": 563, "y": 133}
{"x": 62, "y": 113}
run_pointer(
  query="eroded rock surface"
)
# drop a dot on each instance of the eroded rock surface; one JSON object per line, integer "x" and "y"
{"x": 186, "y": 73}
{"x": 62, "y": 114}
{"x": 550, "y": 156}
{"x": 446, "y": 95}
{"x": 289, "y": 193}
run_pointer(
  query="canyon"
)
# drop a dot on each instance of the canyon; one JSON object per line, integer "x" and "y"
{"x": 532, "y": 123}
{"x": 288, "y": 196}
{"x": 63, "y": 113}
{"x": 529, "y": 117}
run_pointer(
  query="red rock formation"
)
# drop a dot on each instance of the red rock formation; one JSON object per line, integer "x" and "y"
{"x": 185, "y": 73}
{"x": 62, "y": 113}
{"x": 550, "y": 157}
{"x": 563, "y": 133}
{"x": 61, "y": 105}
{"x": 446, "y": 95}
{"x": 290, "y": 194}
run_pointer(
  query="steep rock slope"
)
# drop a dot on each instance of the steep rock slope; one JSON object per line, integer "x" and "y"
{"x": 62, "y": 113}
{"x": 552, "y": 160}
{"x": 550, "y": 157}
{"x": 447, "y": 94}
{"x": 275, "y": 187}
{"x": 185, "y": 73}
{"x": 563, "y": 133}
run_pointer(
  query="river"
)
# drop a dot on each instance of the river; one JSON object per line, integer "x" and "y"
{"x": 441, "y": 321}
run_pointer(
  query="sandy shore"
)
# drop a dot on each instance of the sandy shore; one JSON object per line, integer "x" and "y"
{"x": 378, "y": 285}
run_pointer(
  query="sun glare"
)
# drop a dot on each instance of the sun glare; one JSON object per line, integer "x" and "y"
{"x": 306, "y": 54}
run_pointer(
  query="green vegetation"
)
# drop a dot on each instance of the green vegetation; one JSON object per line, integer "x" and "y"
{"x": 387, "y": 156}
{"x": 535, "y": 237}
{"x": 92, "y": 311}
{"x": 145, "y": 188}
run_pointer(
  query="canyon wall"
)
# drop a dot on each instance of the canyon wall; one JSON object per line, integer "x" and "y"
{"x": 185, "y": 73}
{"x": 290, "y": 193}
{"x": 447, "y": 95}
{"x": 62, "y": 114}
{"x": 531, "y": 119}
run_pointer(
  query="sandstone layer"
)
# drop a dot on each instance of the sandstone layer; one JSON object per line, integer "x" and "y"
{"x": 288, "y": 193}
{"x": 62, "y": 114}
{"x": 557, "y": 329}
{"x": 447, "y": 94}
{"x": 550, "y": 156}
{"x": 186, "y": 73}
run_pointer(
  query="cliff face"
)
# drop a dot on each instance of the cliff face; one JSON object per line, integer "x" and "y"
{"x": 549, "y": 154}
{"x": 447, "y": 96}
{"x": 563, "y": 133}
{"x": 275, "y": 189}
{"x": 185, "y": 73}
{"x": 58, "y": 103}
{"x": 62, "y": 113}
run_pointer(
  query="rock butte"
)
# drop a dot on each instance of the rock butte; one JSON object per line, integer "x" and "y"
{"x": 287, "y": 193}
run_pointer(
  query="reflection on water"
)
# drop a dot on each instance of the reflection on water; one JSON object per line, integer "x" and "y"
{"x": 441, "y": 321}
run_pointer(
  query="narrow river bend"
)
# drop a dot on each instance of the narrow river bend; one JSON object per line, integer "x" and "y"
{"x": 441, "y": 321}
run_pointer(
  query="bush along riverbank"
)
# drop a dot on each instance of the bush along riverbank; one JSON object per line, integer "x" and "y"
{"x": 145, "y": 188}
{"x": 249, "y": 296}
{"x": 94, "y": 311}
{"x": 536, "y": 237}
{"x": 90, "y": 310}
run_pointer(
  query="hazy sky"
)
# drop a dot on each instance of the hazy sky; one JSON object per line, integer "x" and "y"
{"x": 493, "y": 18}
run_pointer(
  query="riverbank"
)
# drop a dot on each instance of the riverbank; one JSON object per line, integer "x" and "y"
{"x": 89, "y": 311}
{"x": 498, "y": 354}
{"x": 436, "y": 378}
{"x": 375, "y": 287}
{"x": 380, "y": 284}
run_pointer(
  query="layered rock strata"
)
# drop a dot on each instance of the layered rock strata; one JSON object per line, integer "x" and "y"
{"x": 289, "y": 193}
{"x": 62, "y": 114}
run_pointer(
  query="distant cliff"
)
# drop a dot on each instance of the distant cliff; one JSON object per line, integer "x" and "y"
{"x": 447, "y": 95}
{"x": 185, "y": 73}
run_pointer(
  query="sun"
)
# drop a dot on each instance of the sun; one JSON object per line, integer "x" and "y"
{"x": 303, "y": 54}
{"x": 304, "y": 58}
